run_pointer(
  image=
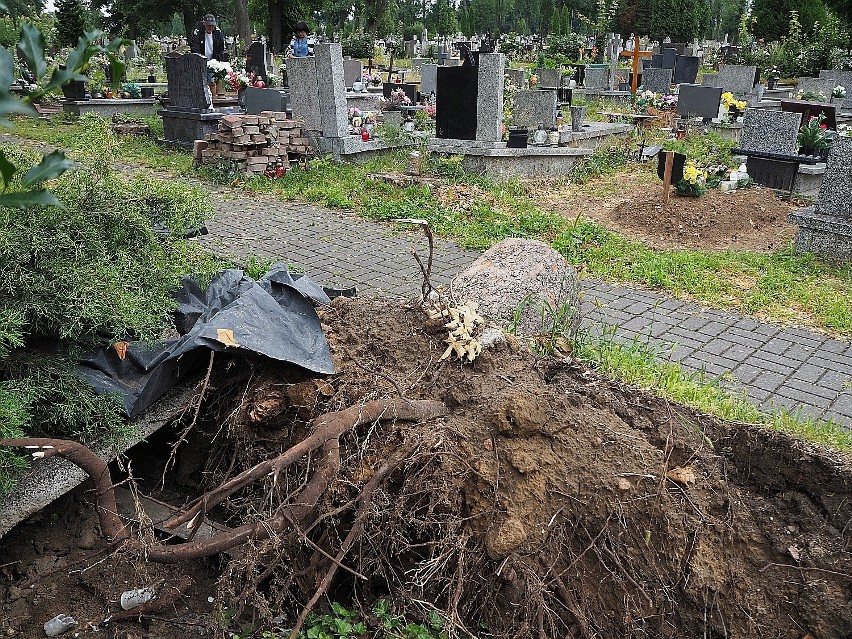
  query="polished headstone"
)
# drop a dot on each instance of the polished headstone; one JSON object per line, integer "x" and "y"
{"x": 331, "y": 89}
{"x": 770, "y": 131}
{"x": 657, "y": 80}
{"x": 416, "y": 63}
{"x": 698, "y": 101}
{"x": 533, "y": 108}
{"x": 256, "y": 61}
{"x": 516, "y": 76}
{"x": 817, "y": 85}
{"x": 257, "y": 100}
{"x": 187, "y": 81}
{"x": 668, "y": 58}
{"x": 686, "y": 69}
{"x": 489, "y": 99}
{"x": 455, "y": 117}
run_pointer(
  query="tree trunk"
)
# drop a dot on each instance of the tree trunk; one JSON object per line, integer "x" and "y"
{"x": 188, "y": 21}
{"x": 275, "y": 40}
{"x": 243, "y": 30}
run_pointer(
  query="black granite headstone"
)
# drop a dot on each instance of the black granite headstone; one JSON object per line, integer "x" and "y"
{"x": 699, "y": 101}
{"x": 812, "y": 109}
{"x": 456, "y": 116}
{"x": 669, "y": 57}
{"x": 410, "y": 90}
{"x": 256, "y": 61}
{"x": 686, "y": 69}
{"x": 656, "y": 61}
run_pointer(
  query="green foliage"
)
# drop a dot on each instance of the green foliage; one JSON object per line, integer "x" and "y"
{"x": 358, "y": 46}
{"x": 70, "y": 22}
{"x": 564, "y": 49}
{"x": 681, "y": 20}
{"x": 771, "y": 17}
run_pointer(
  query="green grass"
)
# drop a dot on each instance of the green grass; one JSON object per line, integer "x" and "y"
{"x": 639, "y": 365}
{"x": 782, "y": 286}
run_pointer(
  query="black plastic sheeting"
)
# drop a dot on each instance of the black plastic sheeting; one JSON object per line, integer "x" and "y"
{"x": 273, "y": 317}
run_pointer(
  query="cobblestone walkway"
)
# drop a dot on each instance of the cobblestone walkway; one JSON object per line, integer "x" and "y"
{"x": 775, "y": 367}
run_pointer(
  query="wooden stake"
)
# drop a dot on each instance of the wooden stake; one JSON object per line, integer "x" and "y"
{"x": 390, "y": 66}
{"x": 667, "y": 176}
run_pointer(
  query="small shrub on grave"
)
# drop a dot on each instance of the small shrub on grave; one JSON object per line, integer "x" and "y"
{"x": 357, "y": 46}
{"x": 694, "y": 181}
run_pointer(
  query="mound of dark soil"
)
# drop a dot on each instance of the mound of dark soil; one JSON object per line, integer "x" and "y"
{"x": 547, "y": 502}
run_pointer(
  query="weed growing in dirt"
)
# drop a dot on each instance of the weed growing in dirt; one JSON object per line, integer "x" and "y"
{"x": 636, "y": 363}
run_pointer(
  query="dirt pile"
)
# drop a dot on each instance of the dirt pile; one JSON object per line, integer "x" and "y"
{"x": 546, "y": 502}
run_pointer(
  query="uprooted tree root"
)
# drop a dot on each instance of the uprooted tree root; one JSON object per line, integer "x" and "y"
{"x": 516, "y": 496}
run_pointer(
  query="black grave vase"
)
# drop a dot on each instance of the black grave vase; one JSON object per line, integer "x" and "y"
{"x": 807, "y": 150}
{"x": 517, "y": 138}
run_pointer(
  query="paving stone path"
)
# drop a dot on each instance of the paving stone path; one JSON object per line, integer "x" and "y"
{"x": 776, "y": 367}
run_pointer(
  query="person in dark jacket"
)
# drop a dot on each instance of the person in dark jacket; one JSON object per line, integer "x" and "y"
{"x": 207, "y": 39}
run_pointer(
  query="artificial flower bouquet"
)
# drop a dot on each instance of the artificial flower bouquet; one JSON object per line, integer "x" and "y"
{"x": 814, "y": 135}
{"x": 838, "y": 92}
{"x": 396, "y": 100}
{"x": 219, "y": 70}
{"x": 693, "y": 182}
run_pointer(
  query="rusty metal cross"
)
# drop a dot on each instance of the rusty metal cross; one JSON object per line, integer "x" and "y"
{"x": 635, "y": 54}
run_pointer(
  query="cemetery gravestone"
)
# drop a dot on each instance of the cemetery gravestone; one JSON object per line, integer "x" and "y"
{"x": 548, "y": 78}
{"x": 668, "y": 58}
{"x": 353, "y": 71}
{"x": 256, "y": 61}
{"x": 817, "y": 85}
{"x": 187, "y": 81}
{"x": 844, "y": 79}
{"x": 656, "y": 61}
{"x": 489, "y": 97}
{"x": 686, "y": 69}
{"x": 428, "y": 80}
{"x": 826, "y": 227}
{"x": 304, "y": 95}
{"x": 657, "y": 80}
{"x": 695, "y": 100}
{"x": 596, "y": 78}
{"x": 533, "y": 108}
{"x": 516, "y": 76}
{"x": 809, "y": 109}
{"x": 331, "y": 90}
{"x": 258, "y": 100}
{"x": 455, "y": 117}
{"x": 770, "y": 131}
{"x": 417, "y": 63}
{"x": 738, "y": 79}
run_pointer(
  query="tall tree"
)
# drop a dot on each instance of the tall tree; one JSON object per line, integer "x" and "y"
{"x": 634, "y": 16}
{"x": 70, "y": 22}
{"x": 680, "y": 20}
{"x": 772, "y": 17}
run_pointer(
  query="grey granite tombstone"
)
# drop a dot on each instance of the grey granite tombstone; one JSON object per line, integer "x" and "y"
{"x": 738, "y": 79}
{"x": 824, "y": 85}
{"x": 844, "y": 79}
{"x": 826, "y": 227}
{"x": 187, "y": 82}
{"x": 489, "y": 98}
{"x": 657, "y": 80}
{"x": 533, "y": 108}
{"x": 258, "y": 100}
{"x": 256, "y": 61}
{"x": 331, "y": 89}
{"x": 416, "y": 63}
{"x": 770, "y": 131}
{"x": 686, "y": 69}
{"x": 711, "y": 80}
{"x": 669, "y": 56}
{"x": 304, "y": 95}
{"x": 516, "y": 76}
{"x": 428, "y": 79}
{"x": 548, "y": 78}
{"x": 596, "y": 78}
{"x": 353, "y": 71}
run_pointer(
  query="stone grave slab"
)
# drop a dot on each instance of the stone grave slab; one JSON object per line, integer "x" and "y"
{"x": 353, "y": 71}
{"x": 596, "y": 78}
{"x": 304, "y": 98}
{"x": 770, "y": 131}
{"x": 548, "y": 78}
{"x": 187, "y": 82}
{"x": 516, "y": 76}
{"x": 669, "y": 56}
{"x": 417, "y": 63}
{"x": 695, "y": 100}
{"x": 256, "y": 61}
{"x": 533, "y": 108}
{"x": 738, "y": 79}
{"x": 257, "y": 100}
{"x": 489, "y": 98}
{"x": 686, "y": 69}
{"x": 817, "y": 85}
{"x": 656, "y": 61}
{"x": 826, "y": 227}
{"x": 711, "y": 80}
{"x": 457, "y": 103}
{"x": 657, "y": 80}
{"x": 429, "y": 79}
{"x": 331, "y": 89}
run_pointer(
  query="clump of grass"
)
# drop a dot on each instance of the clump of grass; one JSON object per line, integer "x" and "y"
{"x": 638, "y": 364}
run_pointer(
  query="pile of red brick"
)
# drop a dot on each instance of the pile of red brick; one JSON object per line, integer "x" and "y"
{"x": 257, "y": 144}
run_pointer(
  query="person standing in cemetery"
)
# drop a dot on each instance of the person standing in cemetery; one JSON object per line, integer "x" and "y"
{"x": 299, "y": 46}
{"x": 207, "y": 39}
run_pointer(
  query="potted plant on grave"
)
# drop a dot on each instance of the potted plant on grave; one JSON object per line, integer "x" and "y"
{"x": 813, "y": 137}
{"x": 693, "y": 182}
{"x": 735, "y": 108}
{"x": 838, "y": 93}
{"x": 392, "y": 106}
{"x": 811, "y": 96}
{"x": 219, "y": 71}
{"x": 772, "y": 77}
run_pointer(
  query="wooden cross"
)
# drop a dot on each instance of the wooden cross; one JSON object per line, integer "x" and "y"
{"x": 635, "y": 54}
